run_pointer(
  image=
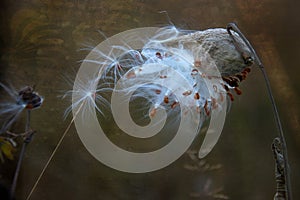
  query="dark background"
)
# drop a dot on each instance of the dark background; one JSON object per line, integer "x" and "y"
{"x": 40, "y": 42}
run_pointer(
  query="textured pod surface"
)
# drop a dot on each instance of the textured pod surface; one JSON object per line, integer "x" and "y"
{"x": 219, "y": 45}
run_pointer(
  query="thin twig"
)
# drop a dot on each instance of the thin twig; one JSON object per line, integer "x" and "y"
{"x": 21, "y": 156}
{"x": 232, "y": 26}
{"x": 53, "y": 153}
{"x": 16, "y": 175}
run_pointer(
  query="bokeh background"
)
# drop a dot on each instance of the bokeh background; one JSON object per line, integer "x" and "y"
{"x": 41, "y": 42}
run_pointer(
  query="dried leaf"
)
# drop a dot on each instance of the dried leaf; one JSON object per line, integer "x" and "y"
{"x": 6, "y": 149}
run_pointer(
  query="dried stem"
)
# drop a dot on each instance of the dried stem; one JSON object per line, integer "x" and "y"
{"x": 27, "y": 140}
{"x": 232, "y": 26}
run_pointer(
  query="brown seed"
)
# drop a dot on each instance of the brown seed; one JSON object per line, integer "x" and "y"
{"x": 231, "y": 96}
{"x": 221, "y": 97}
{"x": 238, "y": 91}
{"x": 235, "y": 79}
{"x": 174, "y": 104}
{"x": 240, "y": 77}
{"x": 158, "y": 55}
{"x": 152, "y": 112}
{"x": 197, "y": 63}
{"x": 196, "y": 96}
{"x": 166, "y": 99}
{"x": 131, "y": 75}
{"x": 247, "y": 69}
{"x": 187, "y": 93}
{"x": 233, "y": 82}
{"x": 226, "y": 88}
{"x": 157, "y": 91}
{"x": 226, "y": 79}
{"x": 206, "y": 108}
{"x": 244, "y": 74}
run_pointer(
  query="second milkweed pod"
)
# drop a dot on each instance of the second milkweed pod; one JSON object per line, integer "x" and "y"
{"x": 26, "y": 98}
{"x": 29, "y": 98}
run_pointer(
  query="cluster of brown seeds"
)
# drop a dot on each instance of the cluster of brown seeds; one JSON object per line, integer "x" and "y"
{"x": 234, "y": 81}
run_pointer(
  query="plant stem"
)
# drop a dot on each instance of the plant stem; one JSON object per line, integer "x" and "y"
{"x": 21, "y": 156}
{"x": 232, "y": 26}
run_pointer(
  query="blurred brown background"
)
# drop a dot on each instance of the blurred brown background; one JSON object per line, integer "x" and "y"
{"x": 40, "y": 42}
